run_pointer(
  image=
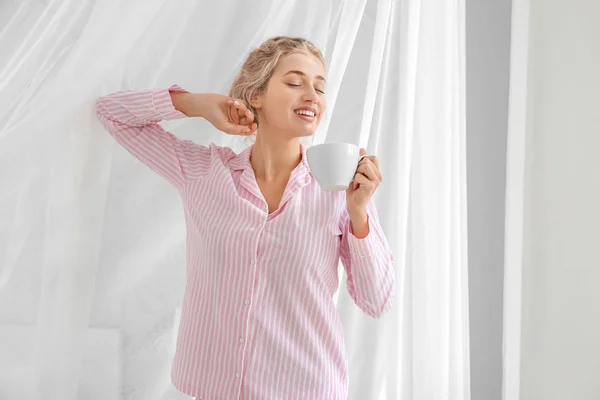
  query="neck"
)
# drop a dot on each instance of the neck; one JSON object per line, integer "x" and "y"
{"x": 274, "y": 160}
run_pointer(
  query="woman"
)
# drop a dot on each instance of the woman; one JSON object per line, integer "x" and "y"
{"x": 263, "y": 240}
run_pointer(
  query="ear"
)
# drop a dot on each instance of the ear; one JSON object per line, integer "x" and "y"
{"x": 255, "y": 102}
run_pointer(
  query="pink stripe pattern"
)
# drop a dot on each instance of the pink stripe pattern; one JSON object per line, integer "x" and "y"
{"x": 258, "y": 317}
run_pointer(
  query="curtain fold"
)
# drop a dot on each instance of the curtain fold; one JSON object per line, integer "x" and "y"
{"x": 516, "y": 155}
{"x": 92, "y": 277}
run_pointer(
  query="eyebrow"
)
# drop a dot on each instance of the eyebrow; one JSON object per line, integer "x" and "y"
{"x": 303, "y": 74}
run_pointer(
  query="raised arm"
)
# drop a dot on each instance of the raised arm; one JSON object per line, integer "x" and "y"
{"x": 132, "y": 116}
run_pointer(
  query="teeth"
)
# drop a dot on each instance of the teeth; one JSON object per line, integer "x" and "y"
{"x": 305, "y": 112}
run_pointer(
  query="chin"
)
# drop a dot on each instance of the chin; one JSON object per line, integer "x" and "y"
{"x": 305, "y": 134}
{"x": 302, "y": 132}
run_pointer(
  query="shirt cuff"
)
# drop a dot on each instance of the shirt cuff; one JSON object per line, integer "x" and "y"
{"x": 366, "y": 246}
{"x": 163, "y": 104}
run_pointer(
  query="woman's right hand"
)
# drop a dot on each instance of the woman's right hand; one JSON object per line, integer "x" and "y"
{"x": 227, "y": 114}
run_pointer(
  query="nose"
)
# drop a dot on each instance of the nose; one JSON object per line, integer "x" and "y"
{"x": 311, "y": 96}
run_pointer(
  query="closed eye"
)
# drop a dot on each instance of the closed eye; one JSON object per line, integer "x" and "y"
{"x": 289, "y": 84}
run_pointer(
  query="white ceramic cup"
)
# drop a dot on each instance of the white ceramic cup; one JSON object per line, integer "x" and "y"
{"x": 334, "y": 164}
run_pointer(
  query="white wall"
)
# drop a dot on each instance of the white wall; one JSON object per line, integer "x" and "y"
{"x": 561, "y": 269}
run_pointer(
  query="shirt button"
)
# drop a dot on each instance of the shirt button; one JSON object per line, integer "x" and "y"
{"x": 237, "y": 375}
{"x": 247, "y": 302}
{"x": 253, "y": 262}
{"x": 241, "y": 340}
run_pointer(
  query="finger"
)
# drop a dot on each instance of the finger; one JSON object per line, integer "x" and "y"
{"x": 355, "y": 181}
{"x": 372, "y": 159}
{"x": 367, "y": 171}
{"x": 236, "y": 121}
{"x": 238, "y": 129}
{"x": 370, "y": 170}
{"x": 371, "y": 173}
{"x": 370, "y": 166}
{"x": 234, "y": 111}
{"x": 363, "y": 180}
{"x": 375, "y": 172}
{"x": 375, "y": 161}
{"x": 232, "y": 114}
{"x": 249, "y": 117}
{"x": 242, "y": 111}
{"x": 245, "y": 114}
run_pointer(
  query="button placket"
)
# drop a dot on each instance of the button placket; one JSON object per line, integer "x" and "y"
{"x": 252, "y": 262}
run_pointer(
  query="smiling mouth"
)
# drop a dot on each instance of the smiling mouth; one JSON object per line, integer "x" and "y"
{"x": 305, "y": 117}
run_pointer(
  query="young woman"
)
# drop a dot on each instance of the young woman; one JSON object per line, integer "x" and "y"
{"x": 263, "y": 240}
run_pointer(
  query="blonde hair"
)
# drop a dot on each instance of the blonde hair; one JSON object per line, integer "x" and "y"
{"x": 260, "y": 65}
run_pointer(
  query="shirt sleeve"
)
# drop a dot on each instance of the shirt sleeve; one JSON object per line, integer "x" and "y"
{"x": 132, "y": 116}
{"x": 369, "y": 265}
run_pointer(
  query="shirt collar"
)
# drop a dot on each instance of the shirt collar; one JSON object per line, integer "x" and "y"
{"x": 299, "y": 178}
{"x": 242, "y": 160}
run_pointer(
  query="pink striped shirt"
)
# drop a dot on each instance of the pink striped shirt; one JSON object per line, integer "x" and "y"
{"x": 258, "y": 318}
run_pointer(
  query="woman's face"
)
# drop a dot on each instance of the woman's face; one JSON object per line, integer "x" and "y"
{"x": 288, "y": 91}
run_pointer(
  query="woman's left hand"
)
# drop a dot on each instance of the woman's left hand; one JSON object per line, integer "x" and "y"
{"x": 366, "y": 180}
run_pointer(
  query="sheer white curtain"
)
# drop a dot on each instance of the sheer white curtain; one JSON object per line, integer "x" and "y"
{"x": 92, "y": 276}
{"x": 515, "y": 196}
